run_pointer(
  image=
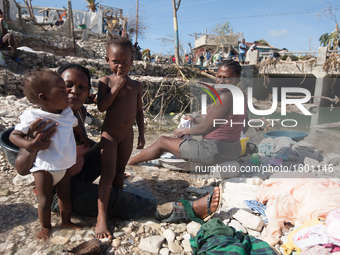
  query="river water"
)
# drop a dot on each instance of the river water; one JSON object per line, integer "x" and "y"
{"x": 326, "y": 140}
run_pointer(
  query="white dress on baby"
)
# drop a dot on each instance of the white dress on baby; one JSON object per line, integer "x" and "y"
{"x": 61, "y": 154}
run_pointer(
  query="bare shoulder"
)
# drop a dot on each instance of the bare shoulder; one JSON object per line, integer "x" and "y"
{"x": 104, "y": 80}
{"x": 226, "y": 96}
{"x": 135, "y": 84}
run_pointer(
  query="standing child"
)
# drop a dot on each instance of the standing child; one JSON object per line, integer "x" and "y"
{"x": 121, "y": 98}
{"x": 48, "y": 90}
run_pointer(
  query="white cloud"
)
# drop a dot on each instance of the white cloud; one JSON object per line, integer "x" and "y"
{"x": 278, "y": 33}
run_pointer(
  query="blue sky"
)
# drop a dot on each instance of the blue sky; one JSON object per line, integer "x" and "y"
{"x": 291, "y": 31}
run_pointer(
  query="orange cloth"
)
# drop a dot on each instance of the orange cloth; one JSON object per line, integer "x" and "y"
{"x": 296, "y": 198}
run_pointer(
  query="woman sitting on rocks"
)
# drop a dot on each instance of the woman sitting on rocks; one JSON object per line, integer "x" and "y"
{"x": 220, "y": 143}
{"x": 84, "y": 192}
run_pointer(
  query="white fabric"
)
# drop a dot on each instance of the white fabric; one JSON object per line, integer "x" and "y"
{"x": 53, "y": 16}
{"x": 92, "y": 20}
{"x": 185, "y": 124}
{"x": 333, "y": 224}
{"x": 57, "y": 176}
{"x": 311, "y": 236}
{"x": 62, "y": 152}
{"x": 235, "y": 191}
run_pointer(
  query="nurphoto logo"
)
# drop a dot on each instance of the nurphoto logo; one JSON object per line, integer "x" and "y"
{"x": 238, "y": 103}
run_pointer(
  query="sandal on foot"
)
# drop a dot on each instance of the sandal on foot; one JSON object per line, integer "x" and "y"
{"x": 210, "y": 214}
{"x": 188, "y": 208}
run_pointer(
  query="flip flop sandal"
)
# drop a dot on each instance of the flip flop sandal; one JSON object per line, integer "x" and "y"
{"x": 188, "y": 208}
{"x": 210, "y": 214}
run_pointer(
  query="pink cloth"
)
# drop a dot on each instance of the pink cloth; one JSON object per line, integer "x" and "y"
{"x": 296, "y": 199}
{"x": 333, "y": 247}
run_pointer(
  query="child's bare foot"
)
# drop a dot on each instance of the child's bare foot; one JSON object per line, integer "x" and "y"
{"x": 126, "y": 176}
{"x": 200, "y": 206}
{"x": 102, "y": 230}
{"x": 71, "y": 225}
{"x": 44, "y": 234}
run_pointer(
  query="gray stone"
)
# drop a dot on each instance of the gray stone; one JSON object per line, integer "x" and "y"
{"x": 249, "y": 220}
{"x": 151, "y": 244}
{"x": 164, "y": 251}
{"x": 116, "y": 243}
{"x": 238, "y": 226}
{"x": 169, "y": 235}
{"x": 175, "y": 247}
{"x": 193, "y": 227}
{"x": 179, "y": 228}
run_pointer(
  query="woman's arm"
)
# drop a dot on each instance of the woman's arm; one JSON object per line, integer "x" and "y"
{"x": 217, "y": 112}
{"x": 25, "y": 158}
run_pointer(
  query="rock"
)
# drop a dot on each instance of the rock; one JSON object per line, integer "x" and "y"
{"x": 179, "y": 228}
{"x": 238, "y": 226}
{"x": 169, "y": 235}
{"x": 223, "y": 215}
{"x": 186, "y": 244}
{"x": 105, "y": 240}
{"x": 59, "y": 240}
{"x": 24, "y": 251}
{"x": 2, "y": 247}
{"x": 193, "y": 227}
{"x": 151, "y": 244}
{"x": 115, "y": 243}
{"x": 23, "y": 180}
{"x": 4, "y": 192}
{"x": 253, "y": 232}
{"x": 164, "y": 251}
{"x": 118, "y": 234}
{"x": 249, "y": 220}
{"x": 75, "y": 238}
{"x": 175, "y": 247}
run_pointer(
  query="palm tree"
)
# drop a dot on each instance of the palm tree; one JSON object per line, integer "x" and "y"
{"x": 331, "y": 40}
{"x": 92, "y": 5}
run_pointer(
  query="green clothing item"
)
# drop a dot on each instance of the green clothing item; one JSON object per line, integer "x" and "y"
{"x": 216, "y": 56}
{"x": 5, "y": 26}
{"x": 215, "y": 237}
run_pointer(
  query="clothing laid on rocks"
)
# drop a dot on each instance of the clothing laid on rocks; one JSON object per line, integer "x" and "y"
{"x": 61, "y": 154}
{"x": 296, "y": 198}
{"x": 215, "y": 237}
{"x": 287, "y": 149}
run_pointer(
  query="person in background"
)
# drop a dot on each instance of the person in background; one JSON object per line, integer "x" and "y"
{"x": 242, "y": 51}
{"x": 201, "y": 59}
{"x": 7, "y": 39}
